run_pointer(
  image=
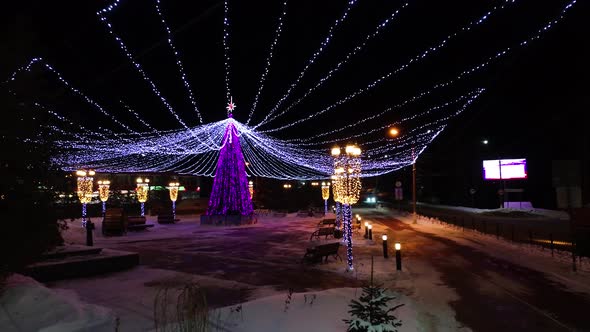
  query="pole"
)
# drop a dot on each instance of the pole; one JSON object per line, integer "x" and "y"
{"x": 385, "y": 254}
{"x": 142, "y": 209}
{"x": 104, "y": 208}
{"x": 348, "y": 234}
{"x": 174, "y": 210}
{"x": 83, "y": 214}
{"x": 325, "y": 206}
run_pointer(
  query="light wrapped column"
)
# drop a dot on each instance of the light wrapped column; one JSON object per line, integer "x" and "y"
{"x": 346, "y": 185}
{"x": 103, "y": 193}
{"x": 173, "y": 189}
{"x": 142, "y": 190}
{"x": 84, "y": 190}
{"x": 325, "y": 195}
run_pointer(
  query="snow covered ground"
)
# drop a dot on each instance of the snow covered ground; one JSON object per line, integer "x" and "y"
{"x": 532, "y": 212}
{"x": 126, "y": 299}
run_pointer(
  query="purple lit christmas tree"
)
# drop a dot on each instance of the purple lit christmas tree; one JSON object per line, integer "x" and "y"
{"x": 230, "y": 194}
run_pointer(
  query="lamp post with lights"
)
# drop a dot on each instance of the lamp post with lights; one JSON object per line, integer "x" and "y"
{"x": 103, "y": 193}
{"x": 325, "y": 195}
{"x": 347, "y": 171}
{"x": 394, "y": 132}
{"x": 173, "y": 189}
{"x": 143, "y": 187}
{"x": 84, "y": 189}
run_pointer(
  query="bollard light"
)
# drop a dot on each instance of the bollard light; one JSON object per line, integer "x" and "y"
{"x": 384, "y": 237}
{"x": 370, "y": 232}
{"x": 398, "y": 256}
{"x": 366, "y": 229}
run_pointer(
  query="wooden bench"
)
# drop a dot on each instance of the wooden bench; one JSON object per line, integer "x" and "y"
{"x": 135, "y": 223}
{"x": 323, "y": 231}
{"x": 166, "y": 218}
{"x": 327, "y": 222}
{"x": 113, "y": 222}
{"x": 320, "y": 253}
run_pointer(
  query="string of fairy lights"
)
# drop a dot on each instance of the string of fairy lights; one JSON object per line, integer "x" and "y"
{"x": 273, "y": 45}
{"x": 316, "y": 54}
{"x": 195, "y": 149}
{"x": 429, "y": 51}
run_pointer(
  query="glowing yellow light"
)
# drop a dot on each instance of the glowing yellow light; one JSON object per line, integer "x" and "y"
{"x": 393, "y": 132}
{"x": 142, "y": 190}
{"x": 325, "y": 190}
{"x": 398, "y": 246}
{"x": 384, "y": 237}
{"x": 85, "y": 184}
{"x": 173, "y": 189}
{"x": 370, "y": 226}
{"x": 251, "y": 189}
{"x": 366, "y": 224}
{"x": 336, "y": 151}
{"x": 103, "y": 190}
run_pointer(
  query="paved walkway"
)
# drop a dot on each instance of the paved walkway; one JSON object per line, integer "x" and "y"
{"x": 495, "y": 294}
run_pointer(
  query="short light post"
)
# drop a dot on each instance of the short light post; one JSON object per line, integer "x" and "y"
{"x": 366, "y": 229}
{"x": 103, "y": 194}
{"x": 384, "y": 238}
{"x": 325, "y": 195}
{"x": 370, "y": 232}
{"x": 398, "y": 256}
{"x": 173, "y": 188}
{"x": 84, "y": 190}
{"x": 143, "y": 187}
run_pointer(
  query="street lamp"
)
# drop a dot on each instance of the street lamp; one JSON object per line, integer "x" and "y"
{"x": 103, "y": 193}
{"x": 394, "y": 132}
{"x": 173, "y": 188}
{"x": 347, "y": 172}
{"x": 143, "y": 187}
{"x": 84, "y": 190}
{"x": 325, "y": 195}
{"x": 398, "y": 256}
{"x": 251, "y": 189}
{"x": 384, "y": 238}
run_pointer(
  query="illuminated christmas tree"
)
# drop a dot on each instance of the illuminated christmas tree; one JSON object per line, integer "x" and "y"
{"x": 230, "y": 194}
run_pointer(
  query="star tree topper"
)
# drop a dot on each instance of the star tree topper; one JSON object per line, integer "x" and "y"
{"x": 230, "y": 107}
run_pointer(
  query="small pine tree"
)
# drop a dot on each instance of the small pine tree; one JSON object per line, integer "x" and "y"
{"x": 370, "y": 313}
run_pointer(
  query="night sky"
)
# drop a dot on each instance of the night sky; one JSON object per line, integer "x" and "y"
{"x": 535, "y": 105}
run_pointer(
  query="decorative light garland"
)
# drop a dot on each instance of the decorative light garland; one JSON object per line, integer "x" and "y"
{"x": 173, "y": 190}
{"x": 142, "y": 190}
{"x": 85, "y": 182}
{"x": 313, "y": 58}
{"x": 179, "y": 64}
{"x": 103, "y": 193}
{"x": 278, "y": 32}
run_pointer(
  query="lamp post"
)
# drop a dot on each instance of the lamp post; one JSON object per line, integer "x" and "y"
{"x": 338, "y": 208}
{"x": 366, "y": 229}
{"x": 394, "y": 132}
{"x": 325, "y": 195}
{"x": 143, "y": 187}
{"x": 347, "y": 171}
{"x": 251, "y": 189}
{"x": 84, "y": 190}
{"x": 103, "y": 194}
{"x": 173, "y": 188}
{"x": 370, "y": 232}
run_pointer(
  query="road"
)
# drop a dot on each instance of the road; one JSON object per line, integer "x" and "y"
{"x": 495, "y": 294}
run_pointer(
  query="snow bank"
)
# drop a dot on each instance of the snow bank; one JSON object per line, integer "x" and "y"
{"x": 312, "y": 311}
{"x": 29, "y": 306}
